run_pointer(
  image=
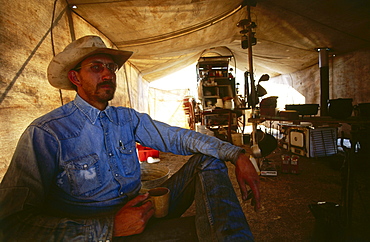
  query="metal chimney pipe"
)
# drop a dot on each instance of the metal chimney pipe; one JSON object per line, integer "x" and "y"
{"x": 324, "y": 80}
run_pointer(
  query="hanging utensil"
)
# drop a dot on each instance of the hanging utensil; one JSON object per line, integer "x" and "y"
{"x": 261, "y": 91}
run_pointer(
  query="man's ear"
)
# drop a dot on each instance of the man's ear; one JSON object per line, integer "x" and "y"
{"x": 73, "y": 77}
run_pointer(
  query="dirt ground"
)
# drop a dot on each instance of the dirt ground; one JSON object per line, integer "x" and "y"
{"x": 286, "y": 215}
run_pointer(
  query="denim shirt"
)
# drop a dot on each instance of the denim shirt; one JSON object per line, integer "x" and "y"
{"x": 76, "y": 166}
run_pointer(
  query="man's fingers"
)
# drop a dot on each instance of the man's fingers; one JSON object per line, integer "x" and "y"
{"x": 256, "y": 198}
{"x": 247, "y": 176}
{"x": 252, "y": 193}
{"x": 146, "y": 205}
{"x": 249, "y": 194}
{"x": 137, "y": 200}
{"x": 149, "y": 210}
{"x": 243, "y": 189}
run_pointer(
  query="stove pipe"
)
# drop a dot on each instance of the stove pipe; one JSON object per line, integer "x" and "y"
{"x": 324, "y": 80}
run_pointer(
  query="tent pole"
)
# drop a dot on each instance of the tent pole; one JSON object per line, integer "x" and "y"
{"x": 250, "y": 60}
{"x": 255, "y": 148}
{"x": 324, "y": 80}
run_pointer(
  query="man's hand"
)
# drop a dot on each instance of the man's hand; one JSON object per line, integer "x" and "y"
{"x": 246, "y": 175}
{"x": 133, "y": 217}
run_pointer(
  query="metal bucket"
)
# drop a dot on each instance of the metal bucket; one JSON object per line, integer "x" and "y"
{"x": 328, "y": 224}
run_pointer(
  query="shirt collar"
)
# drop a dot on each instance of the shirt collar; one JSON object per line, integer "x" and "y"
{"x": 91, "y": 112}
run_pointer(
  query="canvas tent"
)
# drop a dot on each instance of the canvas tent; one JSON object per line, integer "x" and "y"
{"x": 167, "y": 35}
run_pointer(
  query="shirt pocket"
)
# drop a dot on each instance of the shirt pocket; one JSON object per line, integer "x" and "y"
{"x": 128, "y": 157}
{"x": 81, "y": 176}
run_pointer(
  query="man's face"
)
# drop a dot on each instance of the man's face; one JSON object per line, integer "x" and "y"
{"x": 96, "y": 83}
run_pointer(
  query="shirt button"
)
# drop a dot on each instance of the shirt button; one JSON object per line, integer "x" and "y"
{"x": 116, "y": 174}
{"x": 121, "y": 193}
{"x": 110, "y": 154}
{"x": 85, "y": 166}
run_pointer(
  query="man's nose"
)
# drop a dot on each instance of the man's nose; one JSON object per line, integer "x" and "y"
{"x": 108, "y": 73}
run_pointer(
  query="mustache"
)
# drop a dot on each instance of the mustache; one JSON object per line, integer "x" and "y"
{"x": 111, "y": 83}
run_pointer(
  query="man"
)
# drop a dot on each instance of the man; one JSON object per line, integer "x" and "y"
{"x": 75, "y": 175}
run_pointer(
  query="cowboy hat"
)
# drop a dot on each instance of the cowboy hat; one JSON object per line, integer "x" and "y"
{"x": 74, "y": 53}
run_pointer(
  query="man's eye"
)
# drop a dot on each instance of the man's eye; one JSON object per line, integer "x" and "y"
{"x": 112, "y": 66}
{"x": 96, "y": 67}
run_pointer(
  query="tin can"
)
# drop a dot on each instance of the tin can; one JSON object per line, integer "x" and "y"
{"x": 285, "y": 163}
{"x": 294, "y": 168}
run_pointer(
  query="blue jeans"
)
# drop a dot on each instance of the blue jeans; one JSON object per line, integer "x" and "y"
{"x": 219, "y": 216}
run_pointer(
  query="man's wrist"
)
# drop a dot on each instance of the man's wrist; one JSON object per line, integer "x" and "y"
{"x": 240, "y": 152}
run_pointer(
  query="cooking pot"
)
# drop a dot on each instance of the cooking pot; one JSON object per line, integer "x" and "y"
{"x": 289, "y": 114}
{"x": 303, "y": 109}
{"x": 364, "y": 110}
{"x": 340, "y": 108}
{"x": 269, "y": 101}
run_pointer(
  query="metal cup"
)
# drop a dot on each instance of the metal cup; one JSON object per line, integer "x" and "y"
{"x": 160, "y": 198}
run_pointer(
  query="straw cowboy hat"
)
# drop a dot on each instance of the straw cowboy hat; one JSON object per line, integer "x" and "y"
{"x": 74, "y": 53}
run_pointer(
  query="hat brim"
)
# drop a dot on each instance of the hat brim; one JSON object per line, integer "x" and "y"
{"x": 65, "y": 61}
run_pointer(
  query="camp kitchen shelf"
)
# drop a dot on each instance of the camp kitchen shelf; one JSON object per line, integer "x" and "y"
{"x": 216, "y": 67}
{"x": 216, "y": 87}
{"x": 214, "y": 80}
{"x": 212, "y": 93}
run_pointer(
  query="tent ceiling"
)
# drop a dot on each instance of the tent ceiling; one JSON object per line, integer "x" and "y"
{"x": 167, "y": 35}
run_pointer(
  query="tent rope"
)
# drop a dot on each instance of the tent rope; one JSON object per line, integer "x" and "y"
{"x": 52, "y": 44}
